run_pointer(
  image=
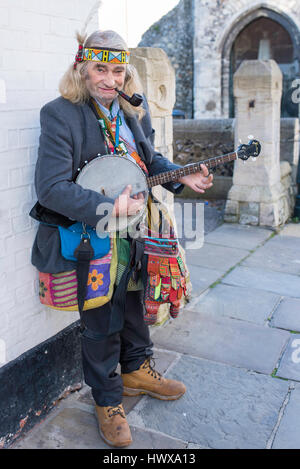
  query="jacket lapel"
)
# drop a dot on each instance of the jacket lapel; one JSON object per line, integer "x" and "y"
{"x": 140, "y": 139}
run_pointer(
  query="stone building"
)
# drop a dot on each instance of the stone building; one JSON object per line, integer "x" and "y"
{"x": 207, "y": 40}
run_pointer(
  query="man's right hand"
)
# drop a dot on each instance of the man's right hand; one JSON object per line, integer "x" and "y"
{"x": 126, "y": 205}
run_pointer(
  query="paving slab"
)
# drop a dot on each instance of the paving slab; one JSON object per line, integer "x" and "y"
{"x": 263, "y": 279}
{"x": 248, "y": 304}
{"x": 290, "y": 363}
{"x": 291, "y": 229}
{"x": 238, "y": 236}
{"x": 202, "y": 278}
{"x": 224, "y": 340}
{"x": 223, "y": 408}
{"x": 287, "y": 314}
{"x": 215, "y": 257}
{"x": 281, "y": 254}
{"x": 288, "y": 433}
{"x": 74, "y": 428}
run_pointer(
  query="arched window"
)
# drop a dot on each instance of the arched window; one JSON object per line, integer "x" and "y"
{"x": 262, "y": 34}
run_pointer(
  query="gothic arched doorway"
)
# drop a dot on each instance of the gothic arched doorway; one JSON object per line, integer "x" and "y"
{"x": 262, "y": 34}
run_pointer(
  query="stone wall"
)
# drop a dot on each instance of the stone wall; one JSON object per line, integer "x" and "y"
{"x": 217, "y": 25}
{"x": 198, "y": 36}
{"x": 195, "y": 139}
{"x": 174, "y": 34}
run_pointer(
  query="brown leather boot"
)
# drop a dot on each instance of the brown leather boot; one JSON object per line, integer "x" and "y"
{"x": 146, "y": 380}
{"x": 113, "y": 426}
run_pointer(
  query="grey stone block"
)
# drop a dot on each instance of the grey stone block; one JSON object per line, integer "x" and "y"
{"x": 223, "y": 407}
{"x": 74, "y": 428}
{"x": 288, "y": 433}
{"x": 262, "y": 279}
{"x": 223, "y": 340}
{"x": 215, "y": 257}
{"x": 202, "y": 278}
{"x": 290, "y": 363}
{"x": 281, "y": 254}
{"x": 291, "y": 229}
{"x": 237, "y": 302}
{"x": 287, "y": 315}
{"x": 238, "y": 236}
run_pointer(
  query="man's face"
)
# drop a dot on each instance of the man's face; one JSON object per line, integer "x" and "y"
{"x": 102, "y": 79}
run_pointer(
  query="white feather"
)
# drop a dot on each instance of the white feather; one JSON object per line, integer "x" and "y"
{"x": 90, "y": 16}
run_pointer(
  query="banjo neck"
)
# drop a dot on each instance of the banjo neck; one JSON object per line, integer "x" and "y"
{"x": 176, "y": 174}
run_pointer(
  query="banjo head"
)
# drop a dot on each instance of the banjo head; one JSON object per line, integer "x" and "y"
{"x": 109, "y": 175}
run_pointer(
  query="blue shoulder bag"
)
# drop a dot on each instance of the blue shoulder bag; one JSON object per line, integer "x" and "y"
{"x": 71, "y": 237}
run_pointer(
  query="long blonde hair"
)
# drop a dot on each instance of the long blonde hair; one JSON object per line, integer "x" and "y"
{"x": 72, "y": 85}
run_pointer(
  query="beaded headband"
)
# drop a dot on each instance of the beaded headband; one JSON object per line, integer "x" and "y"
{"x": 113, "y": 56}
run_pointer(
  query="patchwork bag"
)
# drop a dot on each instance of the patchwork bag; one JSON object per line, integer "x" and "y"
{"x": 59, "y": 291}
{"x": 167, "y": 274}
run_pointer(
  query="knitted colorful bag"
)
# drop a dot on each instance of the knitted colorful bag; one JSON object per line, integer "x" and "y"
{"x": 166, "y": 269}
{"x": 59, "y": 291}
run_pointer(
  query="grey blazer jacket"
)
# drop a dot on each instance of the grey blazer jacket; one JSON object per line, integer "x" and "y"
{"x": 70, "y": 135}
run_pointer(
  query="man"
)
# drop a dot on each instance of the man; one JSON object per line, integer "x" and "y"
{"x": 71, "y": 135}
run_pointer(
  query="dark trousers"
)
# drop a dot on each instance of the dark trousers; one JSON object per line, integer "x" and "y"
{"x": 130, "y": 348}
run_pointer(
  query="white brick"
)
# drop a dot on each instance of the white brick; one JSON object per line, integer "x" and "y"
{"x": 29, "y": 99}
{"x": 8, "y": 263}
{"x": 13, "y": 138}
{"x": 29, "y": 21}
{"x": 2, "y": 88}
{"x": 18, "y": 80}
{"x": 2, "y": 245}
{"x": 15, "y": 177}
{"x": 22, "y": 258}
{"x": 52, "y": 80}
{"x": 19, "y": 120}
{"x": 15, "y": 197}
{"x": 5, "y": 223}
{"x": 14, "y": 158}
{"x": 3, "y": 139}
{"x": 28, "y": 174}
{"x": 51, "y": 43}
{"x": 3, "y": 283}
{"x": 65, "y": 8}
{"x": 16, "y": 279}
{"x": 4, "y": 17}
{"x": 14, "y": 3}
{"x": 4, "y": 179}
{"x": 10, "y": 42}
{"x": 33, "y": 155}
{"x": 21, "y": 223}
{"x": 25, "y": 292}
{"x": 7, "y": 302}
{"x": 63, "y": 27}
{"x": 29, "y": 137}
{"x": 18, "y": 242}
{"x": 31, "y": 62}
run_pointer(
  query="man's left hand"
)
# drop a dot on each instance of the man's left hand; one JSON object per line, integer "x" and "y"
{"x": 200, "y": 181}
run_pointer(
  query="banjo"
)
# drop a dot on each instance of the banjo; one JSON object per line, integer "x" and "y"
{"x": 98, "y": 174}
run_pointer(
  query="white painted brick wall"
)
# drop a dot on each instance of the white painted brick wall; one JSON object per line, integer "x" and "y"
{"x": 37, "y": 43}
{"x": 212, "y": 22}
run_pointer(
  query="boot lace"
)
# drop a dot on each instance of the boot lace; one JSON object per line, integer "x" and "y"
{"x": 150, "y": 363}
{"x": 115, "y": 411}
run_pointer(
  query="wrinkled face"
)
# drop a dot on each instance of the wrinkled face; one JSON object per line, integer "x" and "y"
{"x": 102, "y": 79}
